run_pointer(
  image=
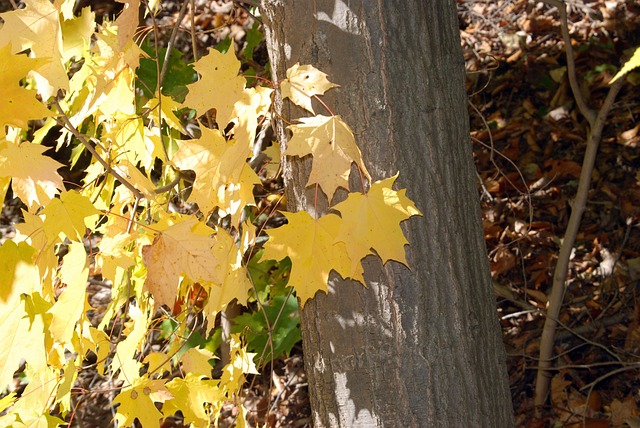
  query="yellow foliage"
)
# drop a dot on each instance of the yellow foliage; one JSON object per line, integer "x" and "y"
{"x": 331, "y": 143}
{"x": 146, "y": 252}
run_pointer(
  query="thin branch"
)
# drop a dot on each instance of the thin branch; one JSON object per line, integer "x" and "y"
{"x": 64, "y": 121}
{"x": 172, "y": 41}
{"x": 588, "y": 113}
{"x": 556, "y": 297}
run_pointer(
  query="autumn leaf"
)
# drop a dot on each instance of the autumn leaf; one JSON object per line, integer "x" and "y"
{"x": 311, "y": 245}
{"x": 18, "y": 105}
{"x": 69, "y": 308}
{"x": 224, "y": 179}
{"x": 629, "y": 65}
{"x": 138, "y": 402}
{"x": 23, "y": 335}
{"x": 302, "y": 83}
{"x": 37, "y": 27}
{"x": 186, "y": 249}
{"x": 34, "y": 177}
{"x": 254, "y": 103}
{"x": 234, "y": 282}
{"x": 18, "y": 270}
{"x": 240, "y": 364}
{"x": 76, "y": 33}
{"x": 70, "y": 215}
{"x": 373, "y": 221}
{"x": 191, "y": 395}
{"x": 196, "y": 360}
{"x": 135, "y": 330}
{"x": 219, "y": 87}
{"x": 334, "y": 149}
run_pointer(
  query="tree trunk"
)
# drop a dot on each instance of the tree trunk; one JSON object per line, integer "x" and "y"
{"x": 419, "y": 346}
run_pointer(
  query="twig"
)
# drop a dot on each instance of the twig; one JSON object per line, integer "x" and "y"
{"x": 556, "y": 297}
{"x": 64, "y": 121}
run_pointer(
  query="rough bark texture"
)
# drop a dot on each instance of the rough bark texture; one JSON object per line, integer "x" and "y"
{"x": 417, "y": 347}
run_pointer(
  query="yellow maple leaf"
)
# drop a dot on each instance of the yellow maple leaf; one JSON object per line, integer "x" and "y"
{"x": 219, "y": 87}
{"x": 633, "y": 62}
{"x": 138, "y": 402}
{"x": 115, "y": 256}
{"x": 159, "y": 363}
{"x": 235, "y": 283}
{"x": 224, "y": 179}
{"x": 373, "y": 221}
{"x": 37, "y": 27}
{"x": 183, "y": 249}
{"x": 303, "y": 82}
{"x": 334, "y": 149}
{"x": 127, "y": 22}
{"x": 191, "y": 395}
{"x": 34, "y": 177}
{"x": 255, "y": 102}
{"x": 196, "y": 360}
{"x": 32, "y": 232}
{"x": 18, "y": 273}
{"x": 136, "y": 330}
{"x": 18, "y": 105}
{"x": 69, "y": 308}
{"x": 167, "y": 107}
{"x": 311, "y": 245}
{"x": 240, "y": 364}
{"x": 22, "y": 335}
{"x": 70, "y": 215}
{"x": 77, "y": 32}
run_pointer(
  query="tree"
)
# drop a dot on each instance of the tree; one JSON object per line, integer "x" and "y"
{"x": 418, "y": 346}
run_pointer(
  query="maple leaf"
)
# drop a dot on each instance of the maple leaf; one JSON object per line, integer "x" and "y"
{"x": 167, "y": 108}
{"x": 240, "y": 363}
{"x": 136, "y": 330}
{"x": 18, "y": 270}
{"x": 127, "y": 22}
{"x": 22, "y": 335}
{"x": 191, "y": 395}
{"x": 34, "y": 177}
{"x": 219, "y": 87}
{"x": 303, "y": 82}
{"x": 334, "y": 149}
{"x": 32, "y": 232}
{"x": 138, "y": 402}
{"x": 76, "y": 33}
{"x": 633, "y": 62}
{"x": 255, "y": 102}
{"x": 17, "y": 104}
{"x": 196, "y": 360}
{"x": 311, "y": 245}
{"x": 70, "y": 215}
{"x": 224, "y": 179}
{"x": 373, "y": 221}
{"x": 37, "y": 27}
{"x": 185, "y": 249}
{"x": 235, "y": 283}
{"x": 69, "y": 308}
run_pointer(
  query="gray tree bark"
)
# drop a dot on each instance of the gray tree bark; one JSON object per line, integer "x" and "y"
{"x": 419, "y": 346}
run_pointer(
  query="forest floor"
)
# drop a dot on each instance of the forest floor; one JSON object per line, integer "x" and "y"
{"x": 528, "y": 141}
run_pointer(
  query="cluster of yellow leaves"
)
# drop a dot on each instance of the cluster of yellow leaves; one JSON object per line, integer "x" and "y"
{"x": 67, "y": 70}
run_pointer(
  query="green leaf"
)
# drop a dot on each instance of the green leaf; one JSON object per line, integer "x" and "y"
{"x": 179, "y": 74}
{"x": 254, "y": 37}
{"x": 286, "y": 333}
